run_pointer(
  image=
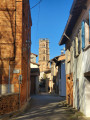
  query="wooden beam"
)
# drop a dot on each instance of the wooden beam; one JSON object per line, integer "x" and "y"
{"x": 87, "y": 74}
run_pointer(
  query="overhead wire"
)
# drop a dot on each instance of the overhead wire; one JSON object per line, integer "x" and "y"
{"x": 37, "y": 24}
{"x": 36, "y": 4}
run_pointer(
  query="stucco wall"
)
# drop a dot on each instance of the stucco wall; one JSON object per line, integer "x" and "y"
{"x": 79, "y": 65}
{"x": 63, "y": 79}
{"x": 33, "y": 65}
{"x": 33, "y": 58}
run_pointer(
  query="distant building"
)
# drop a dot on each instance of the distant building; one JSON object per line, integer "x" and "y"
{"x": 58, "y": 76}
{"x": 43, "y": 55}
{"x": 34, "y": 74}
{"x": 61, "y": 75}
{"x": 49, "y": 81}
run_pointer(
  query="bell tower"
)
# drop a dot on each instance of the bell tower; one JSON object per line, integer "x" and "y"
{"x": 44, "y": 54}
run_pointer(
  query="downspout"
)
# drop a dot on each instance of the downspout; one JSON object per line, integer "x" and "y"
{"x": 9, "y": 79}
{"x": 27, "y": 73}
{"x": 15, "y": 51}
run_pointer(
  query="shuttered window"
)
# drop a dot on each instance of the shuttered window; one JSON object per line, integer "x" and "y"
{"x": 79, "y": 41}
{"x": 86, "y": 32}
{"x": 89, "y": 25}
{"x": 74, "y": 48}
{"x": 83, "y": 34}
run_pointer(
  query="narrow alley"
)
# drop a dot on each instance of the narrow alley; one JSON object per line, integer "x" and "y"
{"x": 48, "y": 107}
{"x": 44, "y": 60}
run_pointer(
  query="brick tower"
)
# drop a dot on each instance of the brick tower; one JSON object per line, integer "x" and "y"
{"x": 43, "y": 54}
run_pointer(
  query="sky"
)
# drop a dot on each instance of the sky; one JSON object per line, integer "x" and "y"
{"x": 49, "y": 19}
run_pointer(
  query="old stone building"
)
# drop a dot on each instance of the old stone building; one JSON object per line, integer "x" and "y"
{"x": 58, "y": 75}
{"x": 43, "y": 55}
{"x": 76, "y": 38}
{"x": 15, "y": 44}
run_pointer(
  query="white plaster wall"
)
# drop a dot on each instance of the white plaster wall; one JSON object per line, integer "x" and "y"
{"x": 5, "y": 88}
{"x": 81, "y": 64}
{"x": 33, "y": 65}
{"x": 86, "y": 63}
{"x": 63, "y": 80}
{"x": 86, "y": 60}
{"x": 79, "y": 83}
{"x": 33, "y": 58}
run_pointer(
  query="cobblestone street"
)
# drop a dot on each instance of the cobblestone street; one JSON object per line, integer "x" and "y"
{"x": 49, "y": 107}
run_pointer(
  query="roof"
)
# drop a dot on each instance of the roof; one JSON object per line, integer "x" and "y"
{"x": 76, "y": 9}
{"x": 48, "y": 71}
{"x": 60, "y": 57}
{"x": 34, "y": 54}
{"x": 35, "y": 71}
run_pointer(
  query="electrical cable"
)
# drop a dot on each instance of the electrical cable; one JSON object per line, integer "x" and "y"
{"x": 36, "y": 4}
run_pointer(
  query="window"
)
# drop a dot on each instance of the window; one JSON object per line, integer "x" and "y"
{"x": 43, "y": 57}
{"x": 43, "y": 51}
{"x": 68, "y": 46}
{"x": 83, "y": 34}
{"x": 89, "y": 26}
{"x": 43, "y": 45}
{"x": 77, "y": 44}
{"x": 74, "y": 48}
{"x": 79, "y": 41}
{"x": 86, "y": 32}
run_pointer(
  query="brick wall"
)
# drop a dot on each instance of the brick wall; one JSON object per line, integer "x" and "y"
{"x": 26, "y": 50}
{"x": 15, "y": 30}
{"x": 9, "y": 103}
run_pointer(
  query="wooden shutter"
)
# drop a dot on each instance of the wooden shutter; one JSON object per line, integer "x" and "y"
{"x": 74, "y": 47}
{"x": 79, "y": 41}
{"x": 89, "y": 25}
{"x": 83, "y": 34}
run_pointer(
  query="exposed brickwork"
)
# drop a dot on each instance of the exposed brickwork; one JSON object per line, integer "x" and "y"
{"x": 9, "y": 103}
{"x": 15, "y": 31}
{"x": 69, "y": 89}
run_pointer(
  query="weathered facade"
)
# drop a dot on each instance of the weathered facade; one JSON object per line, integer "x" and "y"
{"x": 15, "y": 45}
{"x": 76, "y": 37}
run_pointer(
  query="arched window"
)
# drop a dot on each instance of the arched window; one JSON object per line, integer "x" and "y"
{"x": 43, "y": 45}
{"x": 43, "y": 51}
{"x": 43, "y": 57}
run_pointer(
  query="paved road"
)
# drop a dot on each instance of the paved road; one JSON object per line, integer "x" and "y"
{"x": 47, "y": 107}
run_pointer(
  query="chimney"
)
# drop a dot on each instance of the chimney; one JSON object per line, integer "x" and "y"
{"x": 62, "y": 52}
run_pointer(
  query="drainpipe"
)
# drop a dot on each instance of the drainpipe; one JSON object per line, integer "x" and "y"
{"x": 27, "y": 75}
{"x": 19, "y": 94}
{"x": 9, "y": 79}
{"x": 27, "y": 42}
